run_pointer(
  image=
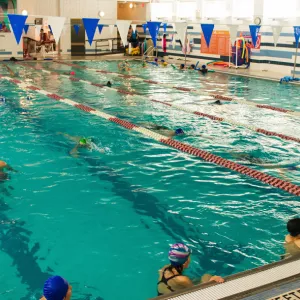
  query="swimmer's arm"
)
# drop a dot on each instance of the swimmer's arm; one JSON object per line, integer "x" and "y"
{"x": 9, "y": 168}
{"x": 70, "y": 137}
{"x": 74, "y": 151}
{"x": 184, "y": 282}
{"x": 10, "y": 70}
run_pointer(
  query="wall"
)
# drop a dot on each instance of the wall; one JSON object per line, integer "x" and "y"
{"x": 137, "y": 13}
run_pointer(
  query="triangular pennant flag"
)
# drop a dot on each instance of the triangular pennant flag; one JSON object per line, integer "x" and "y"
{"x": 207, "y": 30}
{"x": 297, "y": 35}
{"x": 76, "y": 28}
{"x": 276, "y": 33}
{"x": 153, "y": 30}
{"x": 144, "y": 27}
{"x": 0, "y": 26}
{"x": 100, "y": 27}
{"x": 181, "y": 28}
{"x": 56, "y": 24}
{"x": 174, "y": 41}
{"x": 233, "y": 29}
{"x": 50, "y": 29}
{"x": 17, "y": 23}
{"x": 38, "y": 28}
{"x": 112, "y": 29}
{"x": 26, "y": 28}
{"x": 254, "y": 31}
{"x": 165, "y": 27}
{"x": 133, "y": 27}
{"x": 123, "y": 27}
{"x": 90, "y": 26}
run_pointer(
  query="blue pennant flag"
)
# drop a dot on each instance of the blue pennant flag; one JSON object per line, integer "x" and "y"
{"x": 90, "y": 26}
{"x": 165, "y": 27}
{"x": 254, "y": 31}
{"x": 297, "y": 35}
{"x": 26, "y": 28}
{"x": 154, "y": 29}
{"x": 207, "y": 30}
{"x": 144, "y": 27}
{"x": 50, "y": 29}
{"x": 76, "y": 28}
{"x": 0, "y": 26}
{"x": 17, "y": 23}
{"x": 100, "y": 27}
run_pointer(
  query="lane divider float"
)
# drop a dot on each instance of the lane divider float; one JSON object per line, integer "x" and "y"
{"x": 205, "y": 155}
{"x": 178, "y": 107}
{"x": 190, "y": 90}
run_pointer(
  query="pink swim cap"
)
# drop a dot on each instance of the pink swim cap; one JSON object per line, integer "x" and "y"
{"x": 72, "y": 73}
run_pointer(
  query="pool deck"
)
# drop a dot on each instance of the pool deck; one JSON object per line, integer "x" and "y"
{"x": 276, "y": 281}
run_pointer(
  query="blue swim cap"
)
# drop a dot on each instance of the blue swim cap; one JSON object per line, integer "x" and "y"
{"x": 2, "y": 99}
{"x": 55, "y": 288}
{"x": 179, "y": 254}
{"x": 203, "y": 66}
{"x": 162, "y": 61}
{"x": 179, "y": 131}
{"x": 182, "y": 65}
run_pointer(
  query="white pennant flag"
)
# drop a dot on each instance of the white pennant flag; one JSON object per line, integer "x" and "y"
{"x": 233, "y": 29}
{"x": 174, "y": 41}
{"x": 133, "y": 27}
{"x": 57, "y": 25}
{"x": 112, "y": 29}
{"x": 276, "y": 33}
{"x": 110, "y": 45}
{"x": 180, "y": 28}
{"x": 123, "y": 27}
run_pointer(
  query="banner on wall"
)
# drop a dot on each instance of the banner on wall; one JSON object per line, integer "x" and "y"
{"x": 276, "y": 33}
{"x": 297, "y": 35}
{"x": 233, "y": 30}
{"x": 26, "y": 28}
{"x": 56, "y": 24}
{"x": 100, "y": 27}
{"x": 90, "y": 26}
{"x": 254, "y": 31}
{"x": 123, "y": 27}
{"x": 76, "y": 28}
{"x": 153, "y": 30}
{"x": 207, "y": 30}
{"x": 219, "y": 43}
{"x": 17, "y": 23}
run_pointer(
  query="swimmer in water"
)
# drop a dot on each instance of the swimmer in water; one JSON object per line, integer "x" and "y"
{"x": 4, "y": 167}
{"x": 57, "y": 288}
{"x": 123, "y": 65}
{"x": 109, "y": 84}
{"x": 218, "y": 102}
{"x": 81, "y": 142}
{"x": 182, "y": 66}
{"x": 203, "y": 69}
{"x": 164, "y": 130}
{"x": 192, "y": 67}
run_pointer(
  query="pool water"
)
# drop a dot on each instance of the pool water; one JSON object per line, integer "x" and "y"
{"x": 105, "y": 221}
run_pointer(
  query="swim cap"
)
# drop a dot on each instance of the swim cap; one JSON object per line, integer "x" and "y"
{"x": 193, "y": 66}
{"x": 162, "y": 61}
{"x": 179, "y": 254}
{"x": 182, "y": 65}
{"x": 72, "y": 73}
{"x": 203, "y": 66}
{"x": 55, "y": 288}
{"x": 83, "y": 142}
{"x": 2, "y": 99}
{"x": 165, "y": 63}
{"x": 156, "y": 59}
{"x": 179, "y": 131}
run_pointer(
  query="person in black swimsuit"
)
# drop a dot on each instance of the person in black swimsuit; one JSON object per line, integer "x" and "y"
{"x": 171, "y": 278}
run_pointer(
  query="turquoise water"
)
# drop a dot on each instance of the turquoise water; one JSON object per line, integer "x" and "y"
{"x": 105, "y": 221}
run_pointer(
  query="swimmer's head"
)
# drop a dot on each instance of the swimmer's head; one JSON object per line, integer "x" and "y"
{"x": 156, "y": 59}
{"x": 108, "y": 84}
{"x": 293, "y": 227}
{"x": 56, "y": 288}
{"x": 72, "y": 73}
{"x": 193, "y": 67}
{"x": 179, "y": 255}
{"x": 203, "y": 66}
{"x": 179, "y": 131}
{"x": 162, "y": 61}
{"x": 2, "y": 99}
{"x": 83, "y": 142}
{"x": 182, "y": 66}
{"x": 165, "y": 64}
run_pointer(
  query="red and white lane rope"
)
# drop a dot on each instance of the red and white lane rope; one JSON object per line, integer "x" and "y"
{"x": 207, "y": 156}
{"x": 190, "y": 90}
{"x": 188, "y": 110}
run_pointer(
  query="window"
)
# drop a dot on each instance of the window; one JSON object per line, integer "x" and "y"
{"x": 280, "y": 9}
{"x": 215, "y": 9}
{"x": 186, "y": 10}
{"x": 161, "y": 10}
{"x": 243, "y": 8}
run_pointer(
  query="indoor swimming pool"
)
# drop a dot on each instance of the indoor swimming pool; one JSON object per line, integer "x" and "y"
{"x": 104, "y": 219}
